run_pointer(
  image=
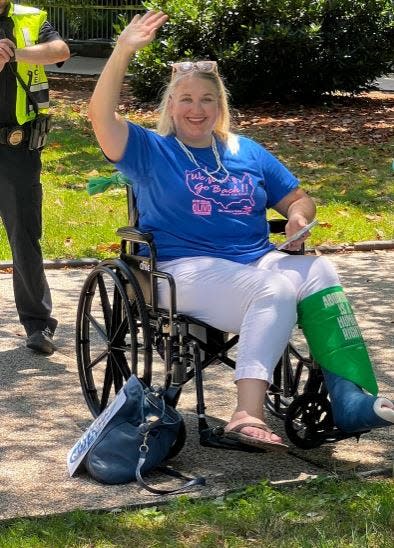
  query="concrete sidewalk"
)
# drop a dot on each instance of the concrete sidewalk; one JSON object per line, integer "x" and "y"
{"x": 80, "y": 66}
{"x": 386, "y": 83}
{"x": 85, "y": 66}
{"x": 44, "y": 413}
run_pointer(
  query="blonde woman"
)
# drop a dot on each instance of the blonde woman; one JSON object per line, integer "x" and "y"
{"x": 203, "y": 193}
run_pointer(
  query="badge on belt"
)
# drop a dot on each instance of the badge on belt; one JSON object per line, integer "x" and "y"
{"x": 15, "y": 136}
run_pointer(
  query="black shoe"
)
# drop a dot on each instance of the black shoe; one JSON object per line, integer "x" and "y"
{"x": 41, "y": 342}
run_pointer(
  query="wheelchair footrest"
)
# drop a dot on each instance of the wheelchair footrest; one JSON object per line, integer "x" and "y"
{"x": 214, "y": 437}
{"x": 336, "y": 434}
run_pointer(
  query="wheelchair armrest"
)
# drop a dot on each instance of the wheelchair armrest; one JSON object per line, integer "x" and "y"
{"x": 277, "y": 226}
{"x": 134, "y": 235}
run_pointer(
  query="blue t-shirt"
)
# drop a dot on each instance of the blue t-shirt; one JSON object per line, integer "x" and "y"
{"x": 189, "y": 213}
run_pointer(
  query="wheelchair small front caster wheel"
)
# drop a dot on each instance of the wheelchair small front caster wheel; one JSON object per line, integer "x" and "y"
{"x": 307, "y": 420}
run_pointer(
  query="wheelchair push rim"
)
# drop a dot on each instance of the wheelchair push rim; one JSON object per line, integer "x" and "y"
{"x": 113, "y": 336}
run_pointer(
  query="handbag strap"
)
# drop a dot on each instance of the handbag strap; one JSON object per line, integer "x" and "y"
{"x": 192, "y": 482}
{"x": 143, "y": 450}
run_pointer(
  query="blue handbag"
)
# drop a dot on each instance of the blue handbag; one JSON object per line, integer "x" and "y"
{"x": 140, "y": 436}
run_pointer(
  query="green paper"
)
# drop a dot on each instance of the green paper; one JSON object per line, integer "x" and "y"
{"x": 97, "y": 185}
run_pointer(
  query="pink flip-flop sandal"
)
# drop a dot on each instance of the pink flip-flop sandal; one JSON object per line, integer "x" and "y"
{"x": 268, "y": 445}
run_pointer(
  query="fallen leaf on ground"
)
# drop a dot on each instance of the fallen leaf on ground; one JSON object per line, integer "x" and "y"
{"x": 376, "y": 217}
{"x": 108, "y": 247}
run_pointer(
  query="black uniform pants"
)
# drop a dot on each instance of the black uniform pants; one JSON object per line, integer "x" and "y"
{"x": 20, "y": 209}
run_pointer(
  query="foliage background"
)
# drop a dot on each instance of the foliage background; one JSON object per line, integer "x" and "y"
{"x": 273, "y": 48}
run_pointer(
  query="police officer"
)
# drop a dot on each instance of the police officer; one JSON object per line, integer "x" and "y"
{"x": 27, "y": 43}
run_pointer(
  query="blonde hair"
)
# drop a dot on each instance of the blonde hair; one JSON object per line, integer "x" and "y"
{"x": 165, "y": 125}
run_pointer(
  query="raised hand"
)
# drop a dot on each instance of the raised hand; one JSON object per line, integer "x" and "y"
{"x": 141, "y": 31}
{"x": 110, "y": 129}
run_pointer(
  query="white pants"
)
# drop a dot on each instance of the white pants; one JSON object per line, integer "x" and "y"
{"x": 258, "y": 301}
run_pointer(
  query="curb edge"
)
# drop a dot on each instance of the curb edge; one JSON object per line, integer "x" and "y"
{"x": 386, "y": 245}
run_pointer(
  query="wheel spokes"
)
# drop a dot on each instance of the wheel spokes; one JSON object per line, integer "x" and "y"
{"x": 120, "y": 372}
{"x": 120, "y": 333}
{"x": 105, "y": 302}
{"x": 113, "y": 333}
{"x": 97, "y": 360}
{"x": 108, "y": 381}
{"x": 100, "y": 331}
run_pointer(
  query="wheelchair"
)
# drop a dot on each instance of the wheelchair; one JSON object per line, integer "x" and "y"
{"x": 121, "y": 330}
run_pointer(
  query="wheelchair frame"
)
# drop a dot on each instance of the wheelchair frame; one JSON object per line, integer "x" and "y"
{"x": 132, "y": 326}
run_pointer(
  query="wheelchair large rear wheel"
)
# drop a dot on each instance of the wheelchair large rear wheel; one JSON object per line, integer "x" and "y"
{"x": 113, "y": 337}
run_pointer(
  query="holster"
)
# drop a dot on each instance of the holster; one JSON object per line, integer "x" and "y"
{"x": 40, "y": 128}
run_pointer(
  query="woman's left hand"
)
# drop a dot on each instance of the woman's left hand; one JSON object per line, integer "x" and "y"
{"x": 299, "y": 209}
{"x": 295, "y": 224}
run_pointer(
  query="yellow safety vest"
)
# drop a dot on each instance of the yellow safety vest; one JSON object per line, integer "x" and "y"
{"x": 27, "y": 24}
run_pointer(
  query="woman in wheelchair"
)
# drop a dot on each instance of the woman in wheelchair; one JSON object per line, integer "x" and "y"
{"x": 203, "y": 193}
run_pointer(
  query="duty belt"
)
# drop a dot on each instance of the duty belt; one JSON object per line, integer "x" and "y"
{"x": 14, "y": 135}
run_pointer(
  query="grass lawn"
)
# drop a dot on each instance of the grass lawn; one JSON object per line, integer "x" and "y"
{"x": 326, "y": 513}
{"x": 342, "y": 153}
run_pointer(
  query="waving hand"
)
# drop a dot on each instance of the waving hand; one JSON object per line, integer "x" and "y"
{"x": 141, "y": 31}
{"x": 111, "y": 130}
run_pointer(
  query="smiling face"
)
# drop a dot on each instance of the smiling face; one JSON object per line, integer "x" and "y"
{"x": 194, "y": 108}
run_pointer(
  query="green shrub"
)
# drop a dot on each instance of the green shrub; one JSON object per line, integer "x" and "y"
{"x": 273, "y": 48}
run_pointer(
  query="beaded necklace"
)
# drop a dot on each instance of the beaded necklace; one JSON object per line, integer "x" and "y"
{"x": 220, "y": 166}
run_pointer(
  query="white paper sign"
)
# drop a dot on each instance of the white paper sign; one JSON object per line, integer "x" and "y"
{"x": 77, "y": 453}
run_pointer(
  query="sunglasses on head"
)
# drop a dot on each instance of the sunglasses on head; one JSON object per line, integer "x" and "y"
{"x": 189, "y": 66}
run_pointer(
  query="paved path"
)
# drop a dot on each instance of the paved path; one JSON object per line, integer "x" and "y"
{"x": 43, "y": 412}
{"x": 386, "y": 83}
{"x": 87, "y": 66}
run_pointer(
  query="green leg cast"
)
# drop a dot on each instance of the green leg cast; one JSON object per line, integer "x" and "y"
{"x": 334, "y": 337}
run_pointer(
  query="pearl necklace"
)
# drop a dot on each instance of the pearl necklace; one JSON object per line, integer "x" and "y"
{"x": 220, "y": 166}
